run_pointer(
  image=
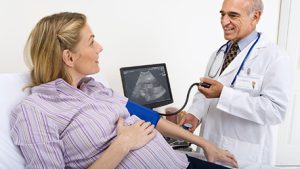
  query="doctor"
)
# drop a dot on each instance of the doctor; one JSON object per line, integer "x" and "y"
{"x": 248, "y": 96}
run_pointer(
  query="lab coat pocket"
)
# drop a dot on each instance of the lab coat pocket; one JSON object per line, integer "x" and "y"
{"x": 242, "y": 150}
{"x": 249, "y": 82}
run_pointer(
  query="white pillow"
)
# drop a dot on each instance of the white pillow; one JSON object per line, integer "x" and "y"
{"x": 11, "y": 93}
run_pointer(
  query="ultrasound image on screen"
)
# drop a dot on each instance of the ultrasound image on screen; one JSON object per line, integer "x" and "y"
{"x": 146, "y": 85}
{"x": 147, "y": 88}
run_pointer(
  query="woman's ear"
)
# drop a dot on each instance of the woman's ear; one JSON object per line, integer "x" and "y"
{"x": 68, "y": 58}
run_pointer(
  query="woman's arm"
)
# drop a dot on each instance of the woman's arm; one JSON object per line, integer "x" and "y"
{"x": 212, "y": 153}
{"x": 142, "y": 112}
{"x": 128, "y": 138}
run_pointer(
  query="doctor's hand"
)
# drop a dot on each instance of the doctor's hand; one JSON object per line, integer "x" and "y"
{"x": 135, "y": 136}
{"x": 191, "y": 119}
{"x": 214, "y": 91}
{"x": 215, "y": 154}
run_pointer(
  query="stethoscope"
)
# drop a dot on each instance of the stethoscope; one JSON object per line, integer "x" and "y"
{"x": 225, "y": 52}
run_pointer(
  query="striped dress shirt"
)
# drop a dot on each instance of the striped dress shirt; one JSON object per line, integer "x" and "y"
{"x": 60, "y": 126}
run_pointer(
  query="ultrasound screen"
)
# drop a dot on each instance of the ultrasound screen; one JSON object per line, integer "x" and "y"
{"x": 147, "y": 85}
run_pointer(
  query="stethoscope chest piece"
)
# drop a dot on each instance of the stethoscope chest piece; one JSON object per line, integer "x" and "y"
{"x": 215, "y": 67}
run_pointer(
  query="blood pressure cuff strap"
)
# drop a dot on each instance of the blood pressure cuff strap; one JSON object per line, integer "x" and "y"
{"x": 142, "y": 112}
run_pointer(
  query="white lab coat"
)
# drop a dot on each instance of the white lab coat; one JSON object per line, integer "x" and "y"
{"x": 241, "y": 120}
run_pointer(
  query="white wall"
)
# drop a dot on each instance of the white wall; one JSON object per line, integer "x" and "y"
{"x": 181, "y": 33}
{"x": 288, "y": 148}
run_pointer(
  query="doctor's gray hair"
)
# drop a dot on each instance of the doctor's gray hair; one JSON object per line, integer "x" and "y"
{"x": 256, "y": 5}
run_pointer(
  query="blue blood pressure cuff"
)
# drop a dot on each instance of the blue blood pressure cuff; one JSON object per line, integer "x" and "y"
{"x": 142, "y": 112}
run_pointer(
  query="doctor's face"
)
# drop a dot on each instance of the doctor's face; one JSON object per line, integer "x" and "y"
{"x": 236, "y": 19}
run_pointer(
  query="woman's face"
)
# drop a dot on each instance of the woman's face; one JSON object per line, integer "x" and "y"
{"x": 86, "y": 54}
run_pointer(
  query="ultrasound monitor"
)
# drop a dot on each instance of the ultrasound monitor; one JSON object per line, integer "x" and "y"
{"x": 147, "y": 85}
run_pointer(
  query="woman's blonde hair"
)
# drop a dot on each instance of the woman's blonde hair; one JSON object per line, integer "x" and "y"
{"x": 46, "y": 43}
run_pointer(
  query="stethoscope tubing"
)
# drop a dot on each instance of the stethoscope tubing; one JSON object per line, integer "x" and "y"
{"x": 245, "y": 58}
{"x": 242, "y": 64}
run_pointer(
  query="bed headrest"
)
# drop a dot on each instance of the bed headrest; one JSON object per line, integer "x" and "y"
{"x": 11, "y": 85}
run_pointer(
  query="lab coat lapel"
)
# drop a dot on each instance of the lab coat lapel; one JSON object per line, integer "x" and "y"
{"x": 236, "y": 63}
{"x": 262, "y": 43}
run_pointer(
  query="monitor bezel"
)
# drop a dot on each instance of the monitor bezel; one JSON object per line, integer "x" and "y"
{"x": 151, "y": 105}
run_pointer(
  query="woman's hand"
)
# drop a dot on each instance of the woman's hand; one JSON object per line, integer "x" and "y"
{"x": 136, "y": 135}
{"x": 215, "y": 154}
{"x": 128, "y": 138}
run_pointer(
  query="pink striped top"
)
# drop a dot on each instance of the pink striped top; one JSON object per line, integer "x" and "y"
{"x": 59, "y": 126}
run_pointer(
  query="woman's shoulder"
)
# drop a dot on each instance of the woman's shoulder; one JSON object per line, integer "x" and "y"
{"x": 31, "y": 103}
{"x": 38, "y": 96}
